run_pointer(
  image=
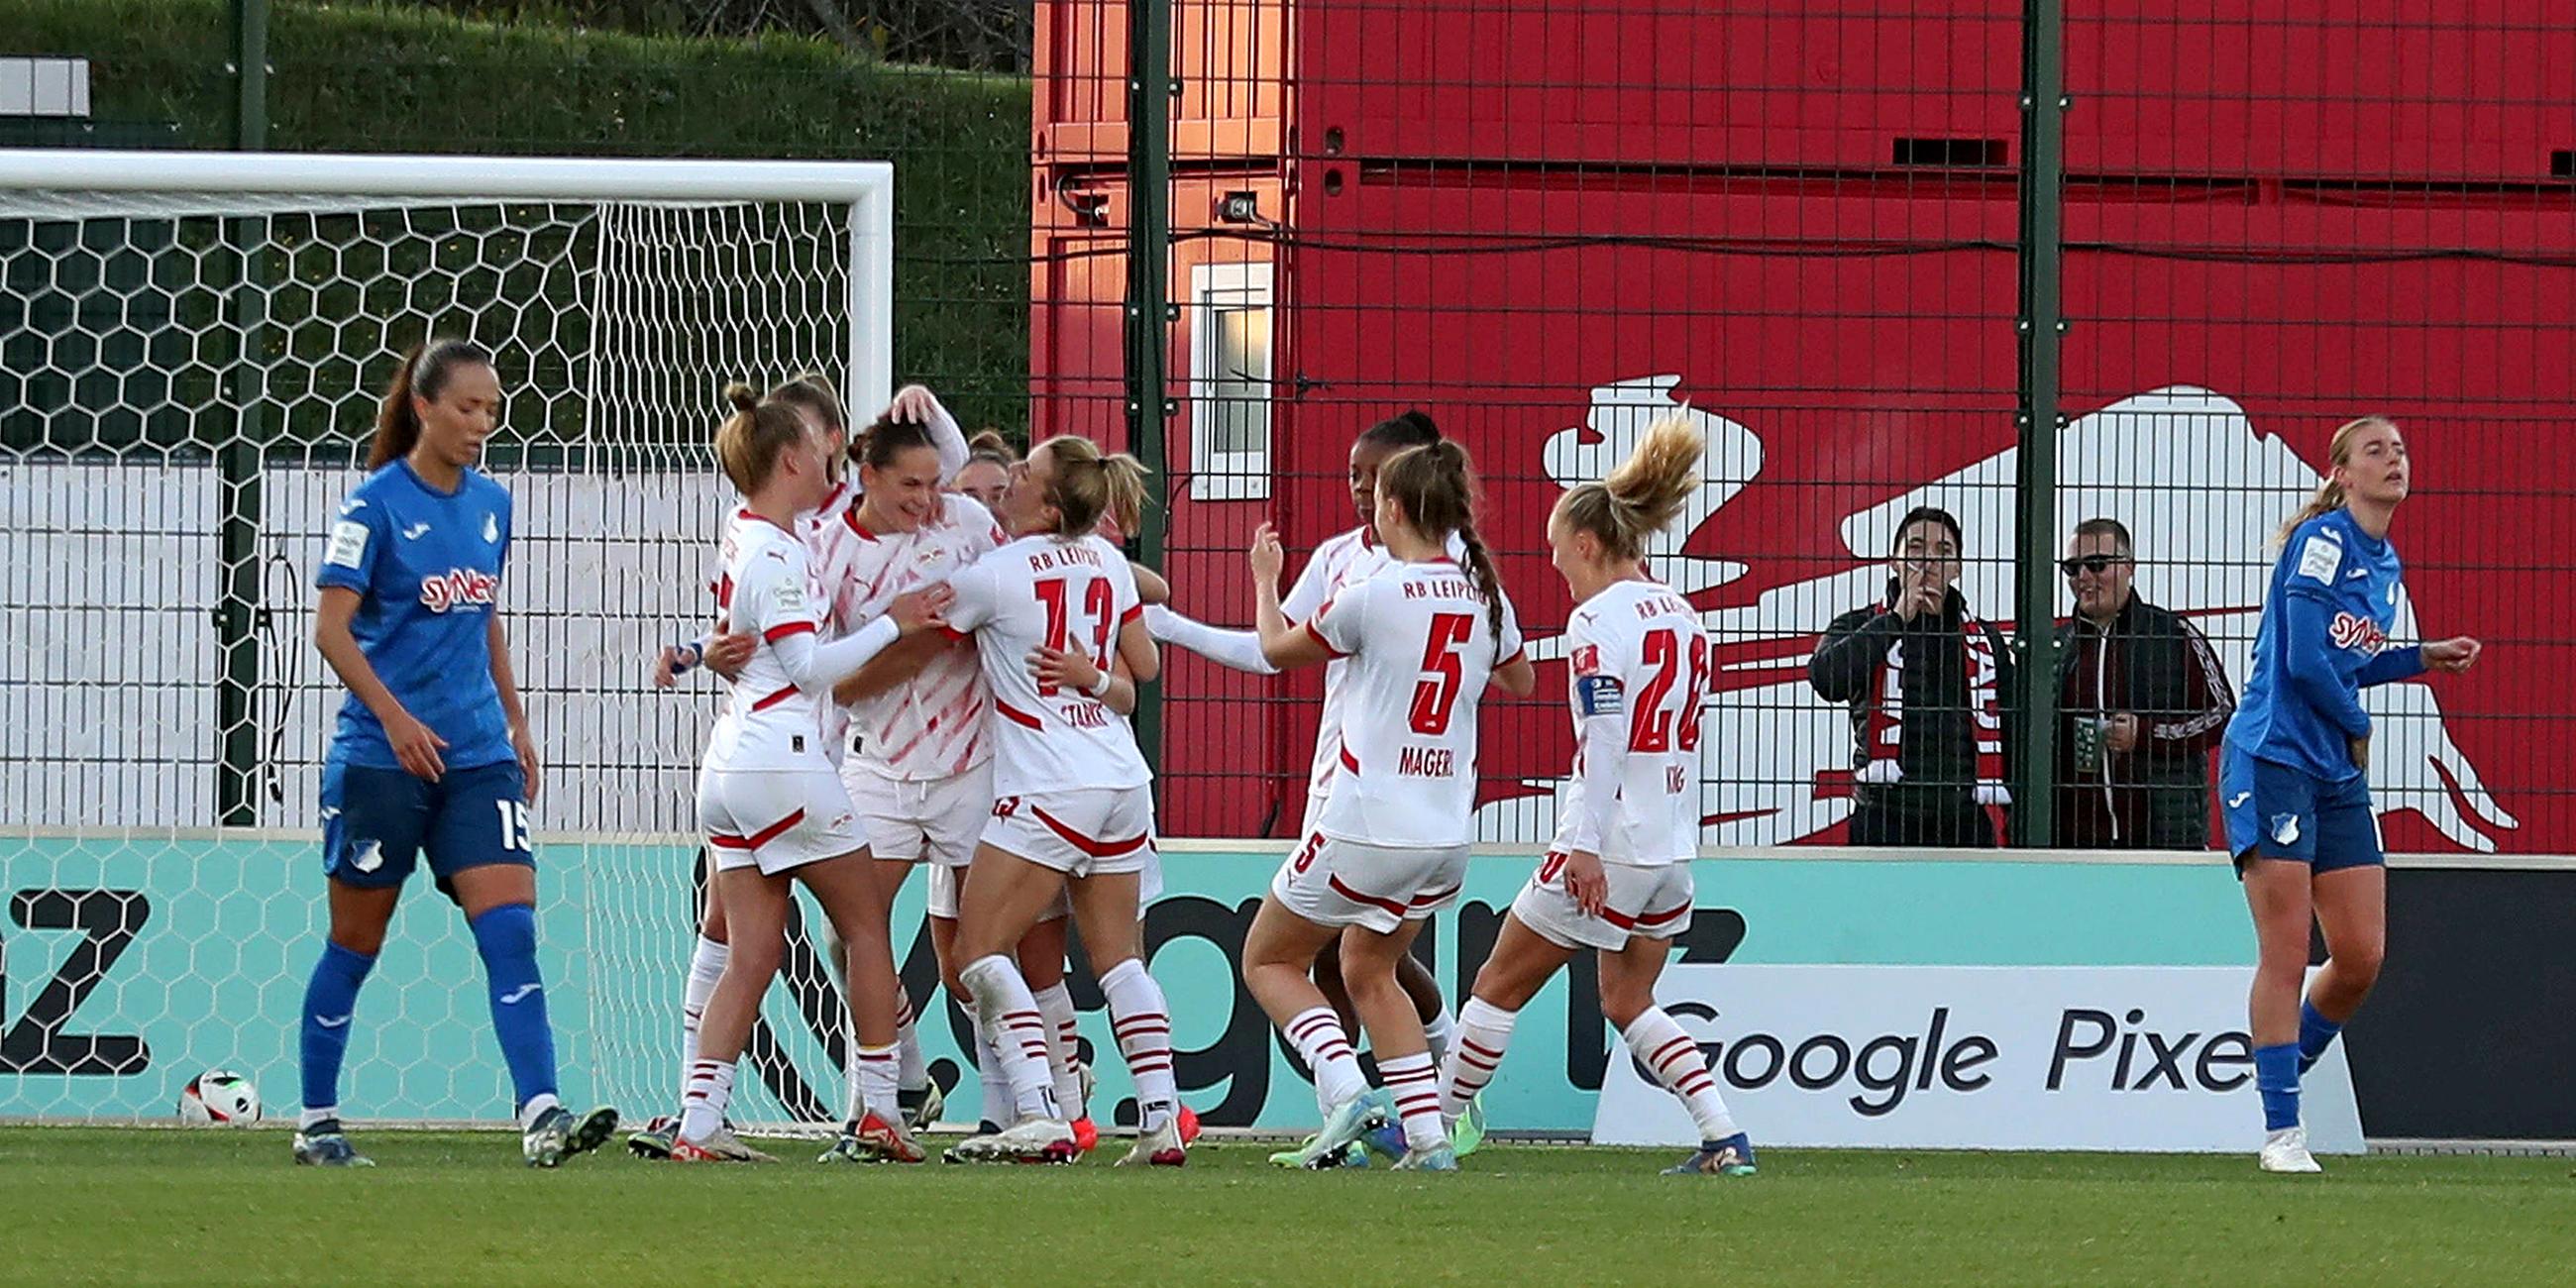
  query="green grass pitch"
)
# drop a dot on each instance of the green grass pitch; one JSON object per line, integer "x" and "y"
{"x": 210, "y": 1207}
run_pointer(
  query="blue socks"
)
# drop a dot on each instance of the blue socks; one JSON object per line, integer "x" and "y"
{"x": 330, "y": 999}
{"x": 2316, "y": 1033}
{"x": 507, "y": 939}
{"x": 2276, "y": 1076}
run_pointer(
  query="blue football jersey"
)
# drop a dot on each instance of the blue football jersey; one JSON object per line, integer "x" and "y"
{"x": 427, "y": 568}
{"x": 2323, "y": 638}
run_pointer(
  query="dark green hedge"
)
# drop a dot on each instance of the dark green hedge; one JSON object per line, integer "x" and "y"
{"x": 389, "y": 79}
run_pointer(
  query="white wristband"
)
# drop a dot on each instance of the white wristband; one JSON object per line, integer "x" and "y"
{"x": 1101, "y": 689}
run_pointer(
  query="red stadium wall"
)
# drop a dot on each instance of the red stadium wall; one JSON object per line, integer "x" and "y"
{"x": 1720, "y": 217}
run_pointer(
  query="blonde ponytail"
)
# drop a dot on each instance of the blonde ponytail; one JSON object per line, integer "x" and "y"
{"x": 1644, "y": 494}
{"x": 750, "y": 440}
{"x": 1087, "y": 486}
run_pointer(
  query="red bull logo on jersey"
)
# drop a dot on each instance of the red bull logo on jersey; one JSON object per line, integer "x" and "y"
{"x": 458, "y": 586}
{"x": 2351, "y": 630}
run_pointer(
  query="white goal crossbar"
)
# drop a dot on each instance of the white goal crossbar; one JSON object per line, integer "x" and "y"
{"x": 28, "y": 175}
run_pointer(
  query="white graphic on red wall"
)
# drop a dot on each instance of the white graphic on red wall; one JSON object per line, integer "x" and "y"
{"x": 2188, "y": 458}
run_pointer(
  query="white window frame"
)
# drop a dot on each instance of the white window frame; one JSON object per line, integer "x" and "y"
{"x": 1227, "y": 475}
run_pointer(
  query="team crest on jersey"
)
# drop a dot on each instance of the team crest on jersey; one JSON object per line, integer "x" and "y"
{"x": 491, "y": 528}
{"x": 467, "y": 586}
{"x": 2351, "y": 630}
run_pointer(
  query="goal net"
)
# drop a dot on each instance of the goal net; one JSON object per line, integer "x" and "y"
{"x": 190, "y": 348}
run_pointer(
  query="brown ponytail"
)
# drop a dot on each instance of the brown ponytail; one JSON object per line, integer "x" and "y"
{"x": 1434, "y": 488}
{"x": 426, "y": 368}
{"x": 2329, "y": 497}
{"x": 1087, "y": 485}
{"x": 1640, "y": 498}
{"x": 750, "y": 440}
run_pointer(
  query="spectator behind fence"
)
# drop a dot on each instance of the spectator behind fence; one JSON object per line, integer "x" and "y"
{"x": 1927, "y": 683}
{"x": 2142, "y": 702}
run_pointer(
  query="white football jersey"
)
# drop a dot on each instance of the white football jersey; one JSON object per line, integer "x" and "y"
{"x": 768, "y": 722}
{"x": 1636, "y": 650}
{"x": 1420, "y": 651}
{"x": 932, "y": 725}
{"x": 1346, "y": 560}
{"x": 1066, "y": 595}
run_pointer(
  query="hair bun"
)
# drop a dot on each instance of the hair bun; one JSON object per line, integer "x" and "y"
{"x": 741, "y": 396}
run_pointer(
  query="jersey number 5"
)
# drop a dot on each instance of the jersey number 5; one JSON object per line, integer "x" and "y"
{"x": 1437, "y": 693}
{"x": 1651, "y": 730}
{"x": 1097, "y": 599}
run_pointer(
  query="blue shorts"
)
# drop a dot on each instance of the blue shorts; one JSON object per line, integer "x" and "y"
{"x": 376, "y": 822}
{"x": 2284, "y": 813}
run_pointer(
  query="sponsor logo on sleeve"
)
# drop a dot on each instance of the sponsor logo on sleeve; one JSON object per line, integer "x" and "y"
{"x": 348, "y": 543}
{"x": 2319, "y": 558}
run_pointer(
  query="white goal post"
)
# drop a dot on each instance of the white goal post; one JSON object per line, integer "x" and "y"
{"x": 190, "y": 350}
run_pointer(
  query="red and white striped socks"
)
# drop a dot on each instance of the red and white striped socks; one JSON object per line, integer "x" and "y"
{"x": 1484, "y": 1033}
{"x": 706, "y": 966}
{"x": 709, "y": 1092}
{"x": 1143, "y": 1025}
{"x": 1004, "y": 1009}
{"x": 1415, "y": 1083}
{"x": 1317, "y": 1035}
{"x": 1064, "y": 1046}
{"x": 1660, "y": 1045}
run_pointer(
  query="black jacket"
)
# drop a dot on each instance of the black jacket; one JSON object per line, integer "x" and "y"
{"x": 2152, "y": 664}
{"x": 1939, "y": 753}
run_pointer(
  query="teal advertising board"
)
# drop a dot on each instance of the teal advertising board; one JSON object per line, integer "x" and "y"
{"x": 134, "y": 961}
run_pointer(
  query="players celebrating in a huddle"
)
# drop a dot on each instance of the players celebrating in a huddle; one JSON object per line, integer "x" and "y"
{"x": 768, "y": 798}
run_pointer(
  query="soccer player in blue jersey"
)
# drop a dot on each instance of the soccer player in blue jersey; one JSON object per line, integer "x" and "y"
{"x": 432, "y": 755}
{"x": 2290, "y": 777}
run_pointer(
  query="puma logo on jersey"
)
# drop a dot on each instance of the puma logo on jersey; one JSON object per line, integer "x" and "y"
{"x": 2354, "y": 631}
{"x": 457, "y": 586}
{"x": 520, "y": 994}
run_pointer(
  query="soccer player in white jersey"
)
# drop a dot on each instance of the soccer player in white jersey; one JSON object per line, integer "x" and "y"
{"x": 723, "y": 652}
{"x": 1617, "y": 879}
{"x": 1056, "y": 624}
{"x": 1424, "y": 636}
{"x": 1343, "y": 560}
{"x": 768, "y": 799}
{"x": 918, "y": 762}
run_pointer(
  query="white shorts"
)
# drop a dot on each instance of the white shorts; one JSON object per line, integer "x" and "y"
{"x": 1093, "y": 831}
{"x": 943, "y": 896}
{"x": 933, "y": 820}
{"x": 775, "y": 819}
{"x": 1333, "y": 882}
{"x": 1649, "y": 900}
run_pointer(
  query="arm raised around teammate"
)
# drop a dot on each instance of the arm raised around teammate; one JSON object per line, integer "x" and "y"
{"x": 915, "y": 404}
{"x": 1284, "y": 644}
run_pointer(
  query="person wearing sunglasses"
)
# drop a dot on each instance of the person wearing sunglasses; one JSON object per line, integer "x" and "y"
{"x": 2141, "y": 701}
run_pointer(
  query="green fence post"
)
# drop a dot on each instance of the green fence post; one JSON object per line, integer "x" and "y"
{"x": 1150, "y": 89}
{"x": 237, "y": 451}
{"x": 2042, "y": 326}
